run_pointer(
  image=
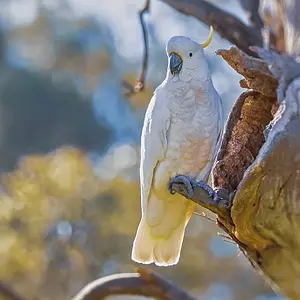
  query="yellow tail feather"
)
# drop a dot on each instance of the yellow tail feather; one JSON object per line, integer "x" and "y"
{"x": 161, "y": 230}
{"x": 163, "y": 252}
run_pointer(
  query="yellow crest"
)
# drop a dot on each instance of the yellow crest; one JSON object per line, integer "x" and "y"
{"x": 207, "y": 42}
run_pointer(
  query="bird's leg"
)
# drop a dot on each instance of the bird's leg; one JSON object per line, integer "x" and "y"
{"x": 217, "y": 201}
{"x": 190, "y": 185}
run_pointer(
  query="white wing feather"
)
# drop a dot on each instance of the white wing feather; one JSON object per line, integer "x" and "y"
{"x": 153, "y": 140}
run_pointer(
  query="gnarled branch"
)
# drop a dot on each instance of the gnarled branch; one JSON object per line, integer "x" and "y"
{"x": 144, "y": 283}
{"x": 252, "y": 8}
{"x": 227, "y": 25}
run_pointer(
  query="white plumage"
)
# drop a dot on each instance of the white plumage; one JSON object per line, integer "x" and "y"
{"x": 182, "y": 128}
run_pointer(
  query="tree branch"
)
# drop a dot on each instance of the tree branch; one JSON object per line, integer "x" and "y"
{"x": 140, "y": 84}
{"x": 252, "y": 8}
{"x": 227, "y": 25}
{"x": 144, "y": 282}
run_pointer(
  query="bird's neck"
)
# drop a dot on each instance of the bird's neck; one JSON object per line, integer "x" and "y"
{"x": 183, "y": 88}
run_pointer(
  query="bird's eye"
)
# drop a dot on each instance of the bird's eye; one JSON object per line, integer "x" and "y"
{"x": 190, "y": 54}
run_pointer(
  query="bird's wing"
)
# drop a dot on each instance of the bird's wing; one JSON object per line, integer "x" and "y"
{"x": 220, "y": 123}
{"x": 153, "y": 141}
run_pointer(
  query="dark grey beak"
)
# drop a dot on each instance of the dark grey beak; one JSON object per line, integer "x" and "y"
{"x": 175, "y": 63}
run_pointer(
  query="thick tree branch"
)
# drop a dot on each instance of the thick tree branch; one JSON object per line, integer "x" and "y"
{"x": 252, "y": 8}
{"x": 144, "y": 282}
{"x": 227, "y": 25}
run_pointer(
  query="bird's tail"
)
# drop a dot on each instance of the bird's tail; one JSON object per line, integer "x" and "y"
{"x": 162, "y": 251}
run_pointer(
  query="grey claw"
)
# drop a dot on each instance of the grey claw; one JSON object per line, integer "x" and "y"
{"x": 170, "y": 187}
{"x": 182, "y": 179}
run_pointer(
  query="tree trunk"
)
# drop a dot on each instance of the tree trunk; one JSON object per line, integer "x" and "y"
{"x": 265, "y": 175}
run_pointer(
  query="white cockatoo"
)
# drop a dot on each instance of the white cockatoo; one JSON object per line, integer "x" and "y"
{"x": 180, "y": 136}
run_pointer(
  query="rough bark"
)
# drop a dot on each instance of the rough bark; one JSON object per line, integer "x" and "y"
{"x": 265, "y": 209}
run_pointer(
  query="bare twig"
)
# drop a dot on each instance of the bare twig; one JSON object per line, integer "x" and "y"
{"x": 205, "y": 216}
{"x": 140, "y": 84}
{"x": 144, "y": 283}
{"x": 8, "y": 292}
{"x": 229, "y": 242}
{"x": 225, "y": 236}
{"x": 227, "y": 25}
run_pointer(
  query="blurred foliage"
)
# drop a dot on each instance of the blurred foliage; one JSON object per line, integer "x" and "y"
{"x": 38, "y": 117}
{"x": 69, "y": 197}
{"x": 57, "y": 222}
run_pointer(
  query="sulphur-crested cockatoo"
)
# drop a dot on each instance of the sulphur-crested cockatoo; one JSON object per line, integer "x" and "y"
{"x": 180, "y": 136}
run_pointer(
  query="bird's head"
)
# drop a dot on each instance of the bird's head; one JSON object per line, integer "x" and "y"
{"x": 186, "y": 57}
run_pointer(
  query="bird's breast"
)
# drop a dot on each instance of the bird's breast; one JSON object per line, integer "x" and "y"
{"x": 191, "y": 138}
{"x": 190, "y": 152}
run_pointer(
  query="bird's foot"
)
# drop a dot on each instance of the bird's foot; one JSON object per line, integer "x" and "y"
{"x": 184, "y": 180}
{"x": 205, "y": 187}
{"x": 216, "y": 200}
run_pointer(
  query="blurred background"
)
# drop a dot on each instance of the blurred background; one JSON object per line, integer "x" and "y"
{"x": 69, "y": 148}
